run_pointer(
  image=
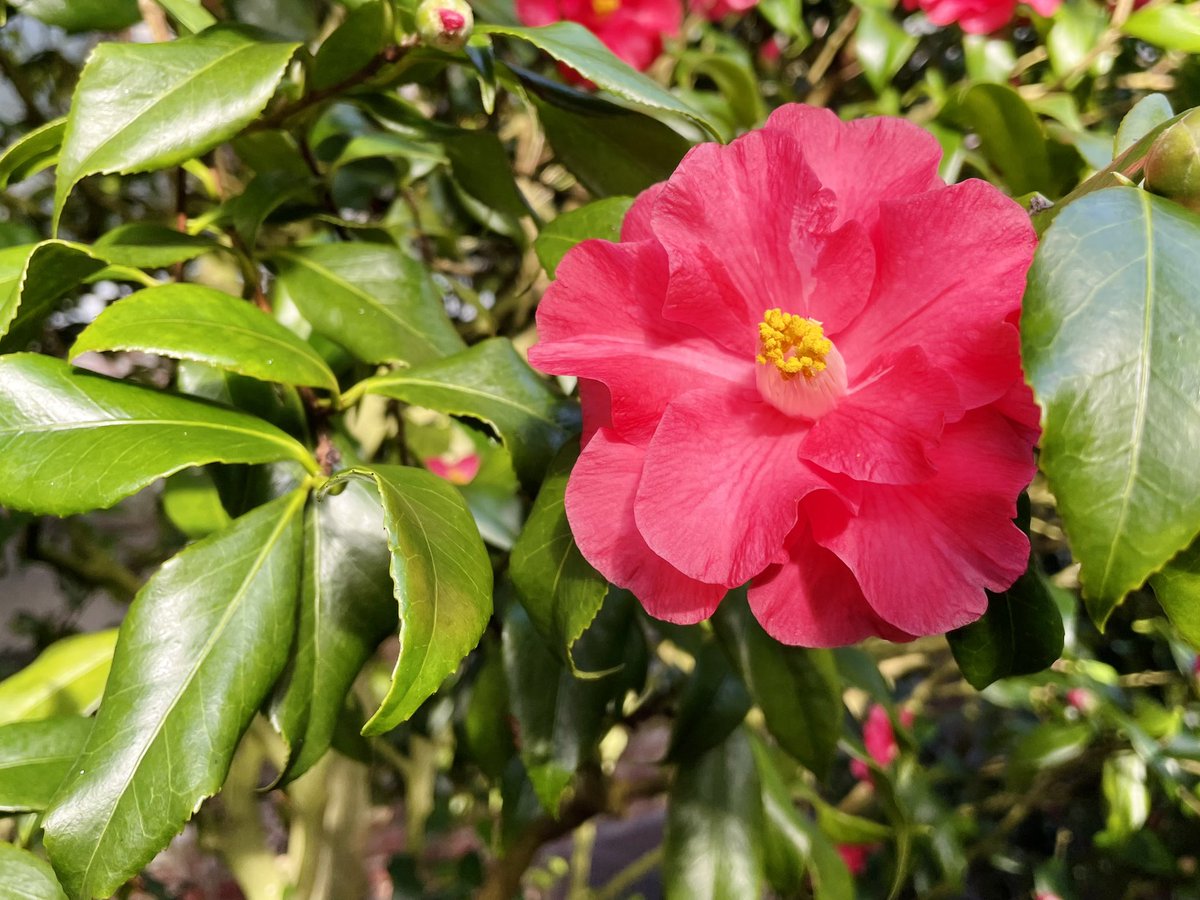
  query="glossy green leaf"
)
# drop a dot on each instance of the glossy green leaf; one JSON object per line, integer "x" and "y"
{"x": 33, "y": 278}
{"x": 560, "y": 590}
{"x": 188, "y": 321}
{"x": 612, "y": 151}
{"x": 1148, "y": 113}
{"x": 373, "y": 299}
{"x": 108, "y": 439}
{"x": 1177, "y": 587}
{"x": 1171, "y": 26}
{"x": 734, "y": 78}
{"x": 1047, "y": 746}
{"x": 145, "y": 245}
{"x": 795, "y": 850}
{"x": 190, "y": 15}
{"x": 882, "y": 46}
{"x": 988, "y": 59}
{"x": 481, "y": 166}
{"x": 32, "y": 152}
{"x": 346, "y": 608}
{"x": 35, "y": 758}
{"x": 365, "y": 31}
{"x": 1123, "y": 782}
{"x": 787, "y": 17}
{"x": 1110, "y": 318}
{"x": 491, "y": 383}
{"x": 82, "y": 15}
{"x": 713, "y": 845}
{"x": 140, "y": 107}
{"x": 487, "y": 732}
{"x": 1012, "y": 140}
{"x": 67, "y": 678}
{"x": 598, "y": 219}
{"x": 713, "y": 703}
{"x": 442, "y": 580}
{"x": 798, "y": 689}
{"x": 574, "y": 45}
{"x": 1020, "y": 634}
{"x": 1078, "y": 27}
{"x": 26, "y": 876}
{"x": 560, "y": 718}
{"x": 203, "y": 643}
{"x": 192, "y": 503}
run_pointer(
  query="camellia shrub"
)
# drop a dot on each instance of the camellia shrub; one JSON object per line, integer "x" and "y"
{"x": 601, "y": 448}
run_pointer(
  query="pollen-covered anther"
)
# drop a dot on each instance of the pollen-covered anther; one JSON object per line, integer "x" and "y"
{"x": 605, "y": 7}
{"x": 800, "y": 372}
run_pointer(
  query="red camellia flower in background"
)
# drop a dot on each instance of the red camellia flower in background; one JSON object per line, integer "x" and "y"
{"x": 978, "y": 16}
{"x": 715, "y": 10}
{"x": 799, "y": 369}
{"x": 631, "y": 29}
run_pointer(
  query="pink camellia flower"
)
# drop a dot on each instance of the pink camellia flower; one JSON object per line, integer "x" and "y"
{"x": 880, "y": 740}
{"x": 856, "y": 856}
{"x": 715, "y": 10}
{"x": 978, "y": 16}
{"x": 799, "y": 369}
{"x": 456, "y": 471}
{"x": 631, "y": 29}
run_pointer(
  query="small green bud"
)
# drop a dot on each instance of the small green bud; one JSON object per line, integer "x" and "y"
{"x": 1173, "y": 163}
{"x": 445, "y": 24}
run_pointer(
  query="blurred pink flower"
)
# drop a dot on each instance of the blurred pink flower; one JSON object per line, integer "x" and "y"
{"x": 456, "y": 471}
{"x": 978, "y": 16}
{"x": 855, "y": 856}
{"x": 880, "y": 740}
{"x": 800, "y": 369}
{"x": 631, "y": 29}
{"x": 715, "y": 10}
{"x": 1081, "y": 699}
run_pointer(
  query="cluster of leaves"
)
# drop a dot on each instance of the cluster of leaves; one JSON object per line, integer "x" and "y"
{"x": 325, "y": 242}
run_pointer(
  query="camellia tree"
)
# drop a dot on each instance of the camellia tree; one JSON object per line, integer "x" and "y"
{"x": 599, "y": 448}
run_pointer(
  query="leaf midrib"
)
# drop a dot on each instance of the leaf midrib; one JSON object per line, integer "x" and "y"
{"x": 231, "y": 609}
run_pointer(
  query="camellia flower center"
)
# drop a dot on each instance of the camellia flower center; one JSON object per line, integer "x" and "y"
{"x": 800, "y": 371}
{"x": 605, "y": 7}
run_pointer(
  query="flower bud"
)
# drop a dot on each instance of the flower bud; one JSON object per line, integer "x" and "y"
{"x": 445, "y": 24}
{"x": 1173, "y": 163}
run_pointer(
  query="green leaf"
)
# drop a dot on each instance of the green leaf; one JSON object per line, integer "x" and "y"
{"x": 443, "y": 583}
{"x": 1078, "y": 27}
{"x": 32, "y": 152}
{"x": 487, "y": 733}
{"x": 1123, "y": 782}
{"x": 599, "y": 219}
{"x": 714, "y": 702}
{"x": 365, "y": 31}
{"x": 373, "y": 299}
{"x": 140, "y": 107}
{"x": 882, "y": 46}
{"x": 611, "y": 150}
{"x": 192, "y": 504}
{"x": 1047, "y": 746}
{"x": 734, "y": 77}
{"x": 489, "y": 382}
{"x": 713, "y": 844}
{"x": 1148, "y": 113}
{"x": 787, "y": 18}
{"x": 108, "y": 440}
{"x": 574, "y": 45}
{"x": 145, "y": 245}
{"x": 35, "y": 758}
{"x": 481, "y": 166}
{"x": 187, "y": 321}
{"x": 34, "y": 278}
{"x": 82, "y": 15}
{"x": 1109, "y": 322}
{"x": 189, "y": 14}
{"x": 203, "y": 643}
{"x": 1020, "y": 634}
{"x": 26, "y": 876}
{"x": 1177, "y": 588}
{"x": 560, "y": 718}
{"x": 797, "y": 689}
{"x": 68, "y": 677}
{"x": 793, "y": 845}
{"x": 1012, "y": 140}
{"x": 988, "y": 59}
{"x": 1170, "y": 26}
{"x": 346, "y": 609}
{"x": 560, "y": 591}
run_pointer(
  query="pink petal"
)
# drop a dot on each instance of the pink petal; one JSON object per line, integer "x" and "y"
{"x": 538, "y": 12}
{"x": 630, "y": 42}
{"x": 812, "y": 600}
{"x": 923, "y": 553}
{"x": 727, "y": 251}
{"x": 599, "y": 504}
{"x": 636, "y": 226}
{"x": 600, "y": 320}
{"x": 720, "y": 486}
{"x": 885, "y": 428}
{"x": 951, "y": 264}
{"x": 1045, "y": 7}
{"x": 597, "y": 407}
{"x": 862, "y": 161}
{"x": 879, "y": 737}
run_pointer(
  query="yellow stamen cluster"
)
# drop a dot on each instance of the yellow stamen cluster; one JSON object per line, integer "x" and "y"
{"x": 605, "y": 7}
{"x": 793, "y": 344}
